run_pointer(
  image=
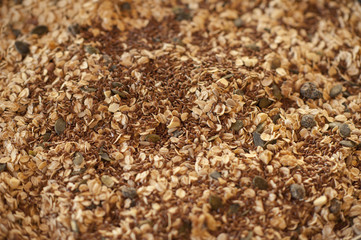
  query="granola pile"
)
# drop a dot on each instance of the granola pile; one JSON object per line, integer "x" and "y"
{"x": 180, "y": 119}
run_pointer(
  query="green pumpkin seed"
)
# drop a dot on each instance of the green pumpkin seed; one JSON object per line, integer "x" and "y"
{"x": 236, "y": 126}
{"x": 152, "y": 138}
{"x": 297, "y": 191}
{"x": 107, "y": 181}
{"x": 74, "y": 29}
{"x": 215, "y": 202}
{"x": 264, "y": 102}
{"x": 347, "y": 143}
{"x": 276, "y": 92}
{"x": 91, "y": 50}
{"x": 46, "y": 136}
{"x": 120, "y": 93}
{"x": 345, "y": 130}
{"x": 233, "y": 208}
{"x": 117, "y": 84}
{"x": 88, "y": 89}
{"x": 257, "y": 140}
{"x": 238, "y": 22}
{"x": 2, "y": 167}
{"x": 78, "y": 159}
{"x": 104, "y": 156}
{"x": 336, "y": 90}
{"x": 215, "y": 175}
{"x": 228, "y": 76}
{"x": 60, "y": 126}
{"x": 253, "y": 47}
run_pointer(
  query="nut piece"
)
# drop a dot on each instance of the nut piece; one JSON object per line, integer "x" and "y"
{"x": 309, "y": 90}
{"x": 320, "y": 201}
{"x": 174, "y": 123}
{"x": 297, "y": 191}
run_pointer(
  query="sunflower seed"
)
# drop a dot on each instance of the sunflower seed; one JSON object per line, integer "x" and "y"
{"x": 60, "y": 126}
{"x": 22, "y": 47}
{"x": 40, "y": 30}
{"x": 2, "y": 167}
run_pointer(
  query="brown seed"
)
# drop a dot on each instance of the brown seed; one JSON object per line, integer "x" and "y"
{"x": 152, "y": 138}
{"x": 215, "y": 202}
{"x": 297, "y": 191}
{"x": 2, "y": 167}
{"x": 40, "y": 30}
{"x": 22, "y": 47}
{"x": 260, "y": 183}
{"x": 276, "y": 63}
{"x": 335, "y": 206}
{"x": 264, "y": 102}
{"x": 60, "y": 126}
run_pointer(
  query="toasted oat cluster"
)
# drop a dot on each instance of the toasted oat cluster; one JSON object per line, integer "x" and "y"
{"x": 187, "y": 119}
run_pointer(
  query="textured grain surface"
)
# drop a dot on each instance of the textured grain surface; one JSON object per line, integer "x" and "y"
{"x": 180, "y": 119}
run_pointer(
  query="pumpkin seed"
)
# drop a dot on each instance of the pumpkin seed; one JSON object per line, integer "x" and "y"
{"x": 257, "y": 140}
{"x": 125, "y": 6}
{"x": 40, "y": 30}
{"x": 107, "y": 181}
{"x": 129, "y": 192}
{"x": 238, "y": 92}
{"x": 215, "y": 175}
{"x": 335, "y": 206}
{"x": 234, "y": 208}
{"x": 297, "y": 191}
{"x": 238, "y": 22}
{"x": 91, "y": 50}
{"x": 46, "y": 136}
{"x": 236, "y": 126}
{"x": 344, "y": 130}
{"x": 104, "y": 156}
{"x": 181, "y": 14}
{"x": 32, "y": 153}
{"x": 264, "y": 102}
{"x": 336, "y": 90}
{"x": 88, "y": 89}
{"x": 22, "y": 47}
{"x": 253, "y": 47}
{"x": 260, "y": 182}
{"x": 78, "y": 159}
{"x": 2, "y": 167}
{"x": 120, "y": 93}
{"x": 276, "y": 92}
{"x": 185, "y": 228}
{"x": 74, "y": 29}
{"x": 215, "y": 202}
{"x": 249, "y": 236}
{"x": 152, "y": 138}
{"x": 347, "y": 143}
{"x": 117, "y": 84}
{"x": 60, "y": 126}
{"x": 228, "y": 76}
